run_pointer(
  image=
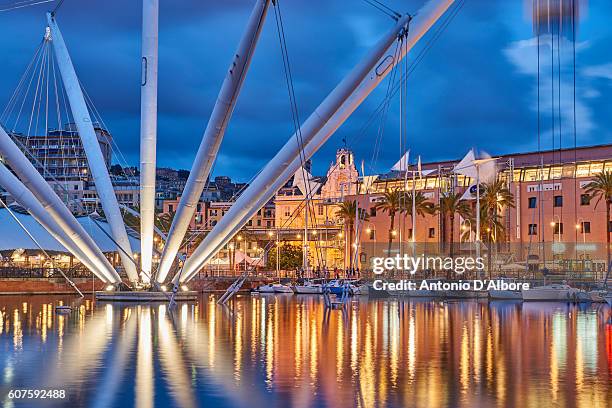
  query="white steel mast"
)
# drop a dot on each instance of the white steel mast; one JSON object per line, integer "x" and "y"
{"x": 95, "y": 159}
{"x": 334, "y": 110}
{"x": 28, "y": 201}
{"x": 35, "y": 183}
{"x": 148, "y": 133}
{"x": 213, "y": 135}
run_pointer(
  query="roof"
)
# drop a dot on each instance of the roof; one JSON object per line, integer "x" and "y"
{"x": 12, "y": 236}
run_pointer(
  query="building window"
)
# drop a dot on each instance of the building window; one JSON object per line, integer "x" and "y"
{"x": 532, "y": 202}
{"x": 585, "y": 199}
{"x": 609, "y": 226}
{"x": 373, "y": 212}
{"x": 558, "y": 201}
{"x": 250, "y": 223}
{"x": 372, "y": 234}
{"x": 585, "y": 227}
{"x": 170, "y": 208}
{"x": 259, "y": 223}
{"x": 558, "y": 228}
{"x": 320, "y": 209}
{"x": 268, "y": 224}
{"x": 199, "y": 207}
{"x": 533, "y": 229}
{"x": 287, "y": 212}
{"x": 410, "y": 233}
{"x": 432, "y": 233}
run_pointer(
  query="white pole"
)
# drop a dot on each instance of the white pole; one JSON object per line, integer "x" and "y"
{"x": 148, "y": 133}
{"x": 413, "y": 209}
{"x": 213, "y": 135}
{"x": 305, "y": 240}
{"x": 28, "y": 201}
{"x": 477, "y": 210}
{"x": 334, "y": 110}
{"x": 54, "y": 206}
{"x": 95, "y": 159}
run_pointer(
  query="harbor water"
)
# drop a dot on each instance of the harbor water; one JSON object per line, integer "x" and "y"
{"x": 289, "y": 351}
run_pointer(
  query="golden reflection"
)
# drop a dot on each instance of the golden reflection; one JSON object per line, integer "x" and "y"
{"x": 339, "y": 350}
{"x": 298, "y": 341}
{"x": 17, "y": 331}
{"x": 238, "y": 346}
{"x": 172, "y": 362}
{"x": 313, "y": 349}
{"x": 411, "y": 345}
{"x": 144, "y": 358}
{"x": 283, "y": 351}
{"x": 212, "y": 320}
{"x": 464, "y": 359}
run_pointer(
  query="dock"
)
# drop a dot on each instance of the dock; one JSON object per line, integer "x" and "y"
{"x": 145, "y": 296}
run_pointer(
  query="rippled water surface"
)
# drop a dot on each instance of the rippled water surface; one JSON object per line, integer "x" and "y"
{"x": 285, "y": 351}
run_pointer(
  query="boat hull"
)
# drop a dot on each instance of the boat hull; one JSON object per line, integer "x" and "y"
{"x": 547, "y": 294}
{"x": 308, "y": 290}
{"x": 505, "y": 294}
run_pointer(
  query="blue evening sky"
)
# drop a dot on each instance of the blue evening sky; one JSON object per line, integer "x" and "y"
{"x": 476, "y": 87}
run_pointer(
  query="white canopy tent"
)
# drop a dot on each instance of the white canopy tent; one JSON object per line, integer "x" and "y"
{"x": 14, "y": 237}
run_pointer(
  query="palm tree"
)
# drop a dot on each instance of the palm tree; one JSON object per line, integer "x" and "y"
{"x": 347, "y": 210}
{"x": 451, "y": 204}
{"x": 495, "y": 197}
{"x": 391, "y": 203}
{"x": 422, "y": 206}
{"x": 601, "y": 187}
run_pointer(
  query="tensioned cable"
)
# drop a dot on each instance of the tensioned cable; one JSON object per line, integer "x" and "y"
{"x": 420, "y": 56}
{"x": 309, "y": 207}
{"x": 383, "y": 9}
{"x": 23, "y": 4}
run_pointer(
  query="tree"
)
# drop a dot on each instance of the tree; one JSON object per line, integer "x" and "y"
{"x": 391, "y": 203}
{"x": 347, "y": 210}
{"x": 290, "y": 257}
{"x": 451, "y": 204}
{"x": 601, "y": 188}
{"x": 422, "y": 205}
{"x": 495, "y": 197}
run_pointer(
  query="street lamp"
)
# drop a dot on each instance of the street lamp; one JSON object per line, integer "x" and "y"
{"x": 558, "y": 224}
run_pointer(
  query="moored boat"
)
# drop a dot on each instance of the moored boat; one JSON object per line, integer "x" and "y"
{"x": 551, "y": 292}
{"x": 269, "y": 288}
{"x": 280, "y": 288}
{"x": 505, "y": 294}
{"x": 308, "y": 287}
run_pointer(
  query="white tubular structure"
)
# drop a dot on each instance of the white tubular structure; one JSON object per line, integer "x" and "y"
{"x": 326, "y": 119}
{"x": 52, "y": 204}
{"x": 213, "y": 135}
{"x": 148, "y": 133}
{"x": 27, "y": 200}
{"x": 96, "y": 162}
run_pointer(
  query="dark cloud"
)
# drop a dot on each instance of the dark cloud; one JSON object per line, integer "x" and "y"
{"x": 465, "y": 93}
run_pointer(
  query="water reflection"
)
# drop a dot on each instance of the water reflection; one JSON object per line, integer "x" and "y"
{"x": 286, "y": 351}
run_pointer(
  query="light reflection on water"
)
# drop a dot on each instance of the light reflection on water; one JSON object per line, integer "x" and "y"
{"x": 283, "y": 350}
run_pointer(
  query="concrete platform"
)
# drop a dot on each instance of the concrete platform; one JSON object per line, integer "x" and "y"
{"x": 144, "y": 296}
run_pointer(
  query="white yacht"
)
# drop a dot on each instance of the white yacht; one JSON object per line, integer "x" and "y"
{"x": 552, "y": 292}
{"x": 269, "y": 288}
{"x": 280, "y": 288}
{"x": 308, "y": 287}
{"x": 505, "y": 294}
